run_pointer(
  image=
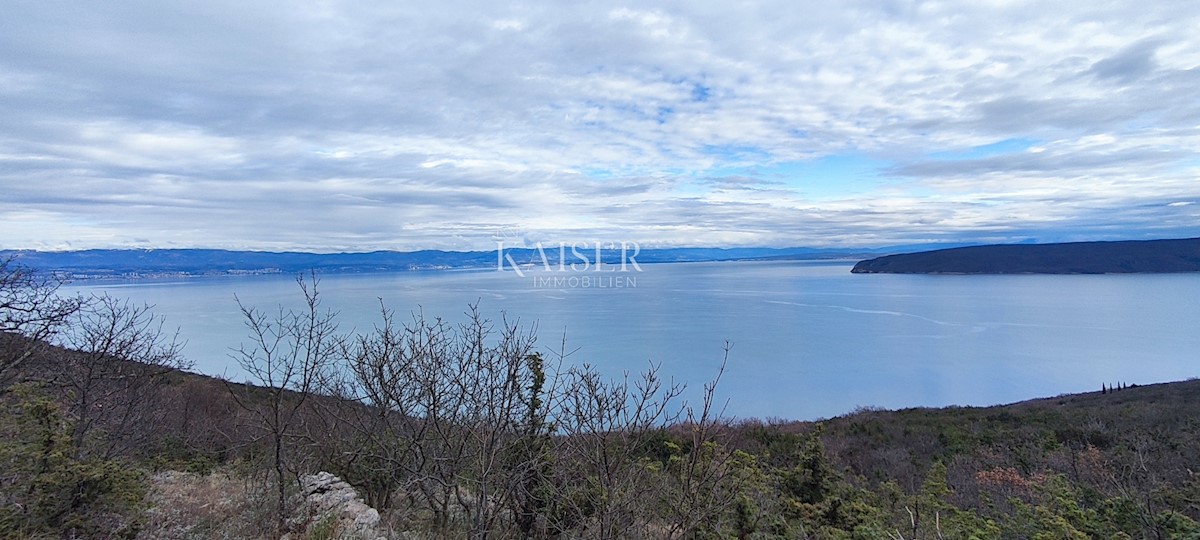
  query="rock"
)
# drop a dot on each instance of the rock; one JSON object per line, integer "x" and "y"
{"x": 326, "y": 497}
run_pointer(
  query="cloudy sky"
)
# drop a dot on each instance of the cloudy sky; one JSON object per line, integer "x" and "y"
{"x": 355, "y": 125}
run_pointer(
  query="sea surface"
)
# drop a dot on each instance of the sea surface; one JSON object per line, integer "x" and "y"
{"x": 808, "y": 338}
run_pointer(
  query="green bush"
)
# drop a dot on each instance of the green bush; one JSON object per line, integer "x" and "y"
{"x": 47, "y": 490}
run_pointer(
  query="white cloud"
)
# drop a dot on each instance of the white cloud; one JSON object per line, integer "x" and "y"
{"x": 351, "y": 125}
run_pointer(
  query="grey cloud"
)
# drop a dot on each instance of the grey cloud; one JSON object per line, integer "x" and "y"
{"x": 610, "y": 189}
{"x": 1065, "y": 164}
{"x": 1131, "y": 63}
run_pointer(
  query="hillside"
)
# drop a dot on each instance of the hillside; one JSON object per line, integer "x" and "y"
{"x": 1126, "y": 257}
{"x": 1110, "y": 463}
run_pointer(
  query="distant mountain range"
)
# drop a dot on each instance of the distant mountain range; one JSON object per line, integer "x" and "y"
{"x": 1127, "y": 257}
{"x": 134, "y": 263}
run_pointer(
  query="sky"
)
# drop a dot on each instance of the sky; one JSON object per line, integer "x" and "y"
{"x": 358, "y": 125}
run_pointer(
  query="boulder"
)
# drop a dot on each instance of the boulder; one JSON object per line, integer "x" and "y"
{"x": 327, "y": 502}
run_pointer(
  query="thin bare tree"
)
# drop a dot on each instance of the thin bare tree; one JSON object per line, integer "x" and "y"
{"x": 32, "y": 310}
{"x": 441, "y": 414}
{"x": 602, "y": 487}
{"x": 111, "y": 374}
{"x": 289, "y": 354}
{"x": 701, "y": 484}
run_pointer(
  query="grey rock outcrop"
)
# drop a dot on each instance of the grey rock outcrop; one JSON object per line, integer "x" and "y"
{"x": 327, "y": 501}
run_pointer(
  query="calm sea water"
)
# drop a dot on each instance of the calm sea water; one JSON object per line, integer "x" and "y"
{"x": 810, "y": 340}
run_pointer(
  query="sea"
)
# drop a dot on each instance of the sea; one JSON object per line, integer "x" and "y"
{"x": 799, "y": 340}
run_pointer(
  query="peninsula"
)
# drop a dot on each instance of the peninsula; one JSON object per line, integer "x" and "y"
{"x": 1124, "y": 257}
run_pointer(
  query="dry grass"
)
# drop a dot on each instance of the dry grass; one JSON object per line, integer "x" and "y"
{"x": 186, "y": 506}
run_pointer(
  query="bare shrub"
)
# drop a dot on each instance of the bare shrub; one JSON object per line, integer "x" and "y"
{"x": 31, "y": 312}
